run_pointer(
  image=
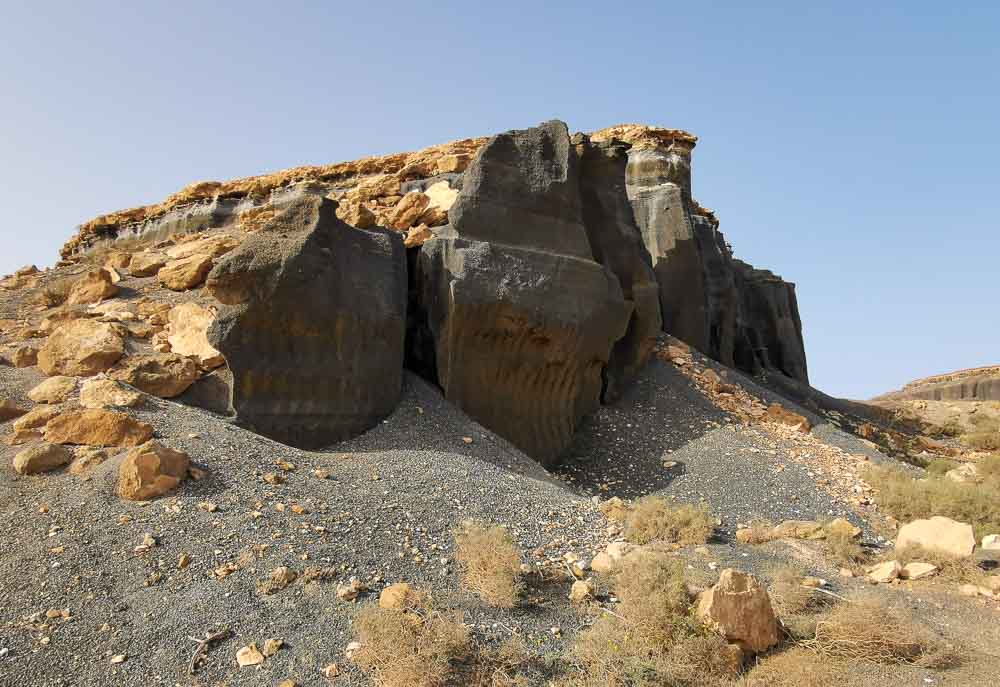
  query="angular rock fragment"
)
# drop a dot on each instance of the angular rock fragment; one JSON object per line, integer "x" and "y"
{"x": 151, "y": 470}
{"x": 188, "y": 334}
{"x": 41, "y": 458}
{"x": 160, "y": 374}
{"x": 185, "y": 273}
{"x": 939, "y": 534}
{"x": 147, "y": 263}
{"x": 53, "y": 390}
{"x": 81, "y": 348}
{"x": 93, "y": 287}
{"x": 97, "y": 428}
{"x": 314, "y": 335}
{"x": 103, "y": 393}
{"x": 739, "y": 608}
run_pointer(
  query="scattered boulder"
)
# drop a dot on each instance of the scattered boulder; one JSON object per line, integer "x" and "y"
{"x": 212, "y": 246}
{"x": 991, "y": 542}
{"x": 188, "y": 325}
{"x": 185, "y": 273}
{"x": 93, "y": 287}
{"x": 151, "y": 470}
{"x": 357, "y": 215}
{"x": 778, "y": 413}
{"x": 41, "y": 458}
{"x": 81, "y": 348}
{"x": 884, "y": 572}
{"x": 842, "y": 527}
{"x": 22, "y": 356}
{"x": 398, "y": 597}
{"x": 408, "y": 210}
{"x": 581, "y": 591}
{"x": 315, "y": 349}
{"x": 159, "y": 374}
{"x": 147, "y": 263}
{"x": 799, "y": 529}
{"x": 939, "y": 534}
{"x": 97, "y": 427}
{"x": 739, "y": 608}
{"x": 916, "y": 570}
{"x": 103, "y": 392}
{"x": 37, "y": 417}
{"x": 10, "y": 410}
{"x": 966, "y": 473}
{"x": 53, "y": 390}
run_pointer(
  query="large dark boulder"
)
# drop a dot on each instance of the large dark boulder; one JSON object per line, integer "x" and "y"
{"x": 522, "y": 318}
{"x": 315, "y": 326}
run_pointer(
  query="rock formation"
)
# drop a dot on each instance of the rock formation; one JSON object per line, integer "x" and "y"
{"x": 538, "y": 270}
{"x": 315, "y": 324}
{"x": 979, "y": 384}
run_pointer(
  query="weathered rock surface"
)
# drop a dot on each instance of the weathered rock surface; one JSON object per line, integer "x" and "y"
{"x": 978, "y": 384}
{"x": 160, "y": 374}
{"x": 315, "y": 332}
{"x": 188, "y": 325}
{"x": 103, "y": 393}
{"x": 739, "y": 608}
{"x": 81, "y": 348}
{"x": 151, "y": 470}
{"x": 41, "y": 458}
{"x": 53, "y": 390}
{"x": 514, "y": 301}
{"x": 93, "y": 287}
{"x": 939, "y": 534}
{"x": 10, "y": 410}
{"x": 146, "y": 263}
{"x": 97, "y": 428}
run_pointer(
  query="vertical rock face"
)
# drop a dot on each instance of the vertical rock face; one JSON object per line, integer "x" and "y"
{"x": 617, "y": 244}
{"x": 740, "y": 316}
{"x": 522, "y": 318}
{"x": 315, "y": 326}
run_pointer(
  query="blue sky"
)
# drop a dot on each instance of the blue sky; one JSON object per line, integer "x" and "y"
{"x": 852, "y": 149}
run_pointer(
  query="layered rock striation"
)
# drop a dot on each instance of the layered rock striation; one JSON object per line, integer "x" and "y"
{"x": 528, "y": 275}
{"x": 978, "y": 384}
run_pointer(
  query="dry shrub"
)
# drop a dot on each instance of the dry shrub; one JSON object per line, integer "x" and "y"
{"x": 788, "y": 596}
{"x": 867, "y": 631}
{"x": 982, "y": 441}
{"x": 950, "y": 568}
{"x": 844, "y": 549}
{"x": 759, "y": 532}
{"x": 490, "y": 562}
{"x": 55, "y": 292}
{"x": 988, "y": 468}
{"x": 415, "y": 647}
{"x": 508, "y": 665}
{"x": 651, "y": 638}
{"x": 615, "y": 509}
{"x": 797, "y": 667}
{"x": 654, "y": 519}
{"x": 906, "y": 498}
{"x": 939, "y": 466}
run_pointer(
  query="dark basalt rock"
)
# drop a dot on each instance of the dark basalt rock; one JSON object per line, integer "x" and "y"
{"x": 315, "y": 326}
{"x": 522, "y": 318}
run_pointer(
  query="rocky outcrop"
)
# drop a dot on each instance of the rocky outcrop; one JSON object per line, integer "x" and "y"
{"x": 315, "y": 324}
{"x": 979, "y": 384}
{"x": 521, "y": 316}
{"x": 81, "y": 348}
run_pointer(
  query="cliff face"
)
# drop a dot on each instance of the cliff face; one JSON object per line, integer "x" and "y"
{"x": 979, "y": 384}
{"x": 541, "y": 268}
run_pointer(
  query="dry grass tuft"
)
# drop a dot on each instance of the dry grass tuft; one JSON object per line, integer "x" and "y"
{"x": 55, "y": 292}
{"x": 490, "y": 562}
{"x": 844, "y": 549}
{"x": 906, "y": 498}
{"x": 509, "y": 665}
{"x": 759, "y": 532}
{"x": 654, "y": 519}
{"x": 867, "y": 631}
{"x": 797, "y": 667}
{"x": 788, "y": 596}
{"x": 415, "y": 647}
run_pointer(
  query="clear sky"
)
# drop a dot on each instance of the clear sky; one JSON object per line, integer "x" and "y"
{"x": 851, "y": 148}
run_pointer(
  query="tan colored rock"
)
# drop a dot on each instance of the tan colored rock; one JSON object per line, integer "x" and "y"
{"x": 147, "y": 263}
{"x": 453, "y": 163}
{"x": 842, "y": 527}
{"x": 53, "y": 390}
{"x": 618, "y": 550}
{"x": 966, "y": 473}
{"x": 272, "y": 646}
{"x": 884, "y": 572}
{"x": 916, "y": 570}
{"x": 210, "y": 246}
{"x": 778, "y": 413}
{"x": 581, "y": 591}
{"x": 22, "y": 355}
{"x": 185, "y": 273}
{"x": 991, "y": 542}
{"x": 249, "y": 656}
{"x": 118, "y": 260}
{"x": 351, "y": 590}
{"x": 408, "y": 210}
{"x": 10, "y": 410}
{"x": 399, "y": 597}
{"x": 739, "y": 608}
{"x": 151, "y": 470}
{"x": 160, "y": 374}
{"x": 357, "y": 215}
{"x": 417, "y": 236}
{"x": 37, "y": 417}
{"x": 799, "y": 529}
{"x": 602, "y": 563}
{"x": 97, "y": 428}
{"x": 94, "y": 287}
{"x": 102, "y": 392}
{"x": 255, "y": 219}
{"x": 81, "y": 348}
{"x": 188, "y": 325}
{"x": 86, "y": 458}
{"x": 41, "y": 458}
{"x": 939, "y": 534}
